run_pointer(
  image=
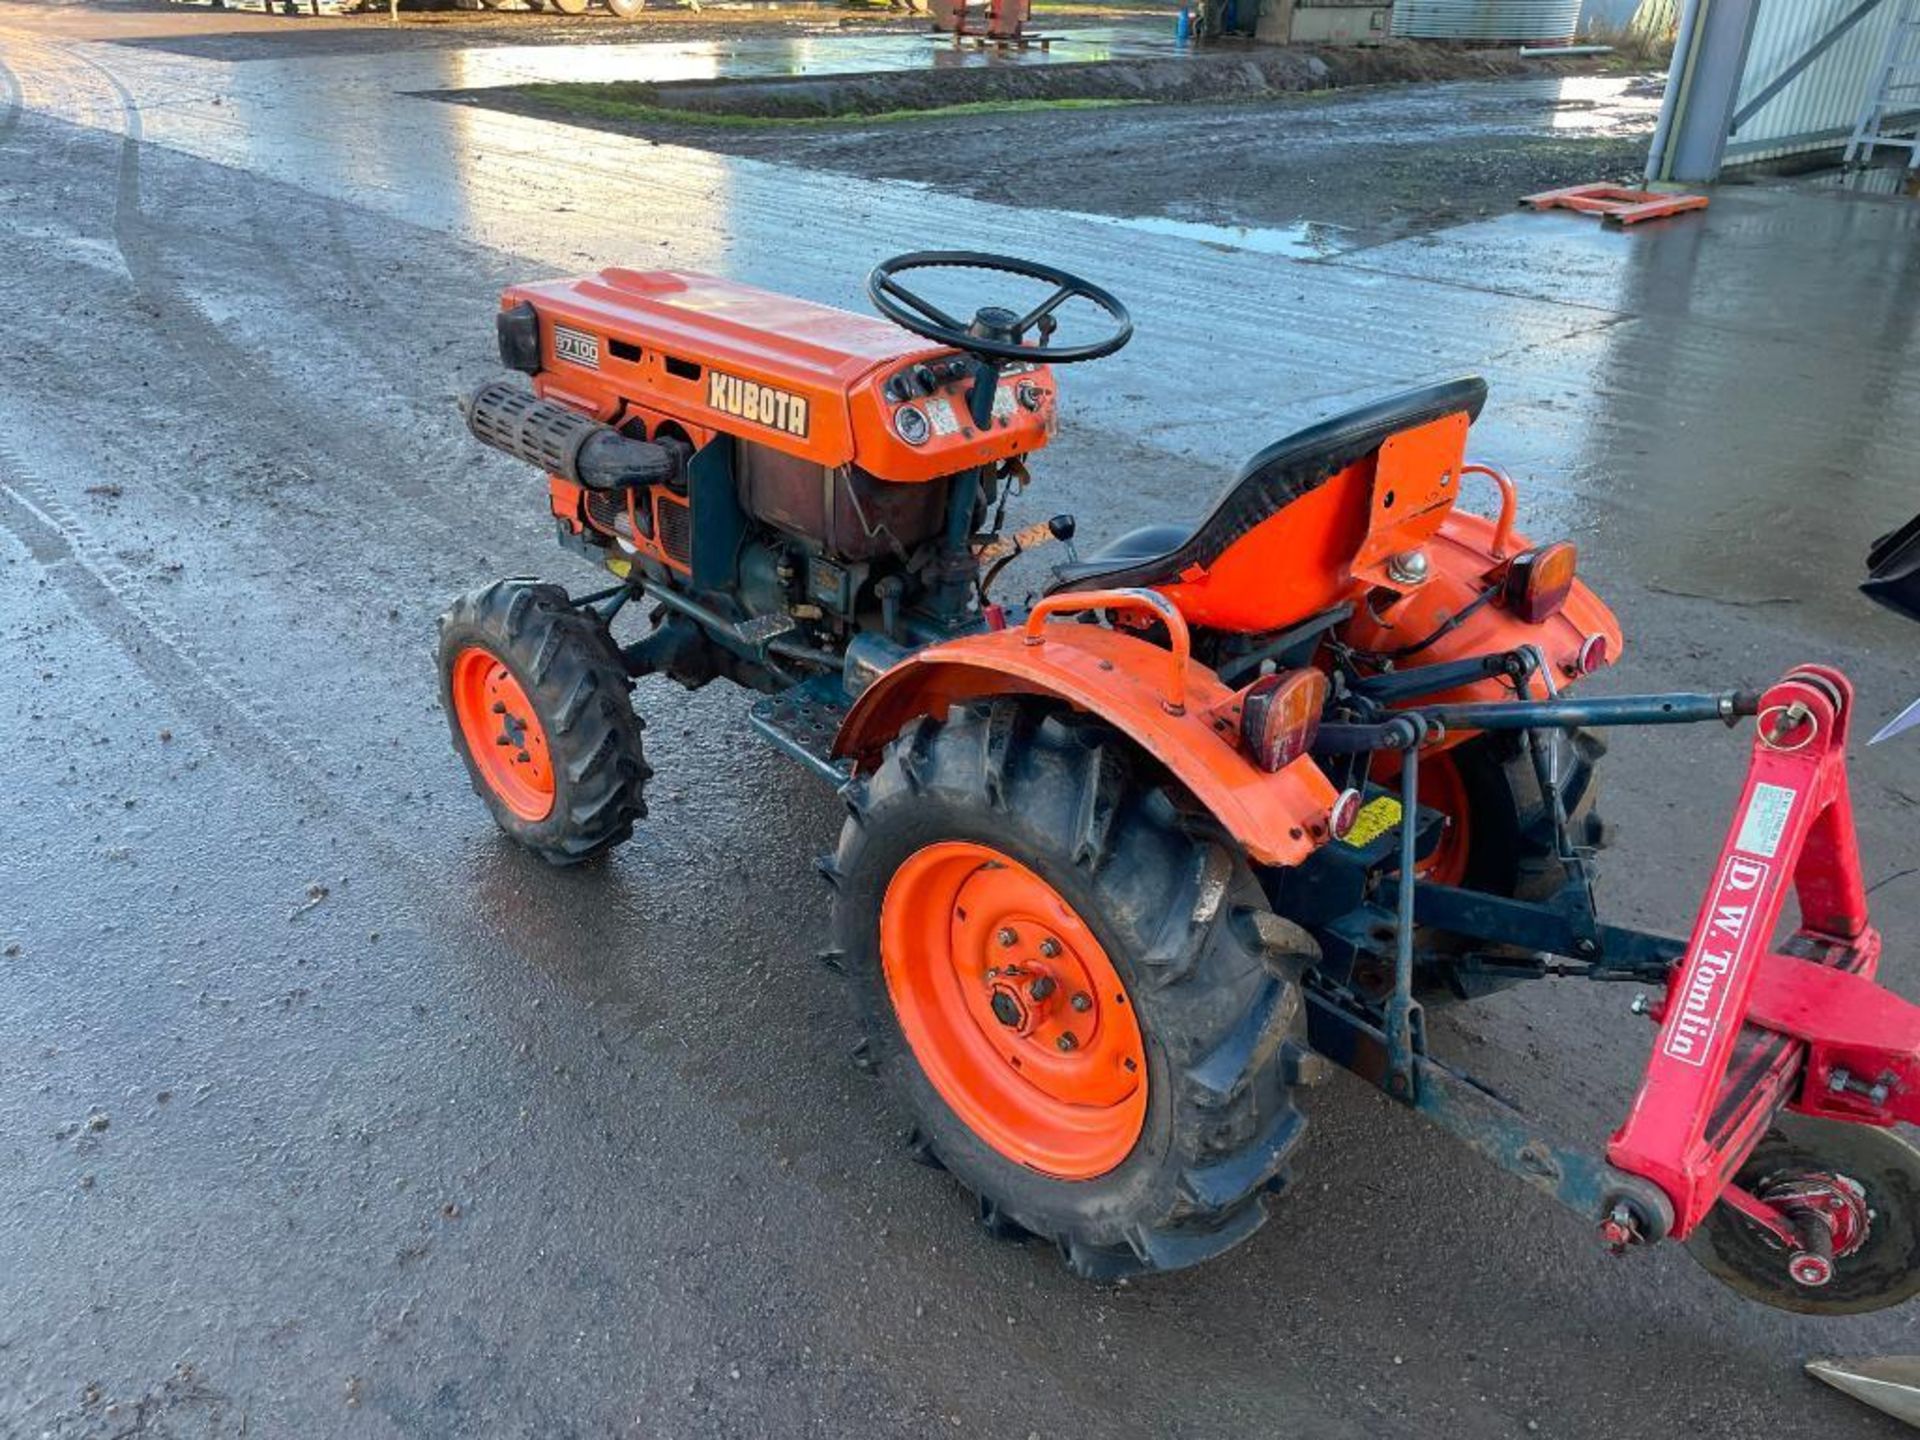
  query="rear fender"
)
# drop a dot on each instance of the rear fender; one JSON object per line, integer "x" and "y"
{"x": 1463, "y": 555}
{"x": 1177, "y": 711}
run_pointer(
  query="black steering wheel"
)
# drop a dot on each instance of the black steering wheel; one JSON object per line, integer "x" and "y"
{"x": 995, "y": 333}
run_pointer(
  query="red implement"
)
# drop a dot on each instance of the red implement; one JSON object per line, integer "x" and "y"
{"x": 1747, "y": 1029}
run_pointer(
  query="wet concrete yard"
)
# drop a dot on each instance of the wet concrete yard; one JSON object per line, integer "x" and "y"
{"x": 322, "y": 1111}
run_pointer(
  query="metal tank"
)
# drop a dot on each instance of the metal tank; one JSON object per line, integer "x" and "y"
{"x": 1539, "y": 22}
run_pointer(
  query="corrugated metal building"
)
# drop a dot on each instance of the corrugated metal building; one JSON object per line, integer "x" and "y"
{"x": 1765, "y": 79}
{"x": 1815, "y": 110}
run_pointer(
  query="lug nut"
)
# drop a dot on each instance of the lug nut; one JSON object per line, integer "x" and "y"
{"x": 1081, "y": 1001}
{"x": 499, "y": 707}
{"x": 1042, "y": 987}
{"x": 1049, "y": 947}
{"x": 1068, "y": 1040}
{"x": 1008, "y": 935}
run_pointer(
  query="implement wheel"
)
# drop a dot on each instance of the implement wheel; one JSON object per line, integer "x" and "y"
{"x": 1083, "y": 1003}
{"x": 1873, "y": 1175}
{"x": 627, "y": 9}
{"x": 536, "y": 698}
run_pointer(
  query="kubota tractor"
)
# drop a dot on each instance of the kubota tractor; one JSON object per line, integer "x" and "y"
{"x": 1119, "y": 861}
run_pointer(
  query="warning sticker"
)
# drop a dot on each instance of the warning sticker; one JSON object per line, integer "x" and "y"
{"x": 940, "y": 415}
{"x": 1766, "y": 820}
{"x": 1376, "y": 817}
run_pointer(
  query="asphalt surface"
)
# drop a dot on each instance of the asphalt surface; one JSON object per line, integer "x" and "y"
{"x": 324, "y": 1112}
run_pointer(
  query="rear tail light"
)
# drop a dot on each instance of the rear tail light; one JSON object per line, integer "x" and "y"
{"x": 1280, "y": 715}
{"x": 1538, "y": 581}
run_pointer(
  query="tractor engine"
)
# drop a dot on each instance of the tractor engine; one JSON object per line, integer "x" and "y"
{"x": 846, "y": 526}
{"x": 800, "y": 475}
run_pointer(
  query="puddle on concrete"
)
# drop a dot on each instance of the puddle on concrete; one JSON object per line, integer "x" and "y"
{"x": 1893, "y": 179}
{"x": 1304, "y": 240}
{"x": 1590, "y": 103}
{"x": 769, "y": 57}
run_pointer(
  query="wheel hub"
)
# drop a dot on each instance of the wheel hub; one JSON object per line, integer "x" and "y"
{"x": 503, "y": 733}
{"x": 1013, "y": 1009}
{"x": 1828, "y": 1213}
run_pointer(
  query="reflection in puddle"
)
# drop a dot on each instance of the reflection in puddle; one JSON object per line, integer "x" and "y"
{"x": 1585, "y": 103}
{"x": 1894, "y": 179}
{"x": 768, "y": 57}
{"x": 1304, "y": 240}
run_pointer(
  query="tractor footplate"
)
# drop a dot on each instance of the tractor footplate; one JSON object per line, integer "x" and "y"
{"x": 803, "y": 722}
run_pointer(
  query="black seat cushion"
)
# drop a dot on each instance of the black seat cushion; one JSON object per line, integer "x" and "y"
{"x": 1266, "y": 484}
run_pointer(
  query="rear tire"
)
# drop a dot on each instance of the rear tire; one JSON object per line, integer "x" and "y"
{"x": 520, "y": 665}
{"x": 1509, "y": 849}
{"x": 1205, "y": 971}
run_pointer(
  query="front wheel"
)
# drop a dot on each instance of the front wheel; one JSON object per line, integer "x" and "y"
{"x": 1083, "y": 1003}
{"x": 537, "y": 700}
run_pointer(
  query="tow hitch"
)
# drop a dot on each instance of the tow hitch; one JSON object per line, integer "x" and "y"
{"x": 1759, "y": 1134}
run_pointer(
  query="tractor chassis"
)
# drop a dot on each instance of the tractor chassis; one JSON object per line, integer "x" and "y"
{"x": 1755, "y": 1031}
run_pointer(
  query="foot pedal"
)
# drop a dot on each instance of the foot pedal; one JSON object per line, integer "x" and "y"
{"x": 803, "y": 722}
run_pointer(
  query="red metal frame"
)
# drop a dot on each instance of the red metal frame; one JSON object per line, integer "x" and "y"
{"x": 1746, "y": 1028}
{"x": 1004, "y": 19}
{"x": 1615, "y": 204}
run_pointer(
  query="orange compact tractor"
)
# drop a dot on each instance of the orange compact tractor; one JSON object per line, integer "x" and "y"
{"x": 1121, "y": 860}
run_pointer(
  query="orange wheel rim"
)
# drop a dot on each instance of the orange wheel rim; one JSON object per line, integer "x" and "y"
{"x": 1443, "y": 789}
{"x": 503, "y": 733}
{"x": 1014, "y": 1010}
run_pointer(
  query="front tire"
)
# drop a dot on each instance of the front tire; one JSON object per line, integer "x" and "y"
{"x": 1137, "y": 1112}
{"x": 537, "y": 700}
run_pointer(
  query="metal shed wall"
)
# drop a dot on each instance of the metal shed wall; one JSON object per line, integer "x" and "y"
{"x": 1816, "y": 110}
{"x": 1550, "y": 21}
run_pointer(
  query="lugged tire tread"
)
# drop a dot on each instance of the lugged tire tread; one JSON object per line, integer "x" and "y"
{"x": 570, "y": 668}
{"x": 1205, "y": 984}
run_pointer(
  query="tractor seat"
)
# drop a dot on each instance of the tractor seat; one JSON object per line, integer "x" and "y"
{"x": 1266, "y": 484}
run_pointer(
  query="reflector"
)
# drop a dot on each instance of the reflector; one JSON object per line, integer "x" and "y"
{"x": 1280, "y": 714}
{"x": 1538, "y": 581}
